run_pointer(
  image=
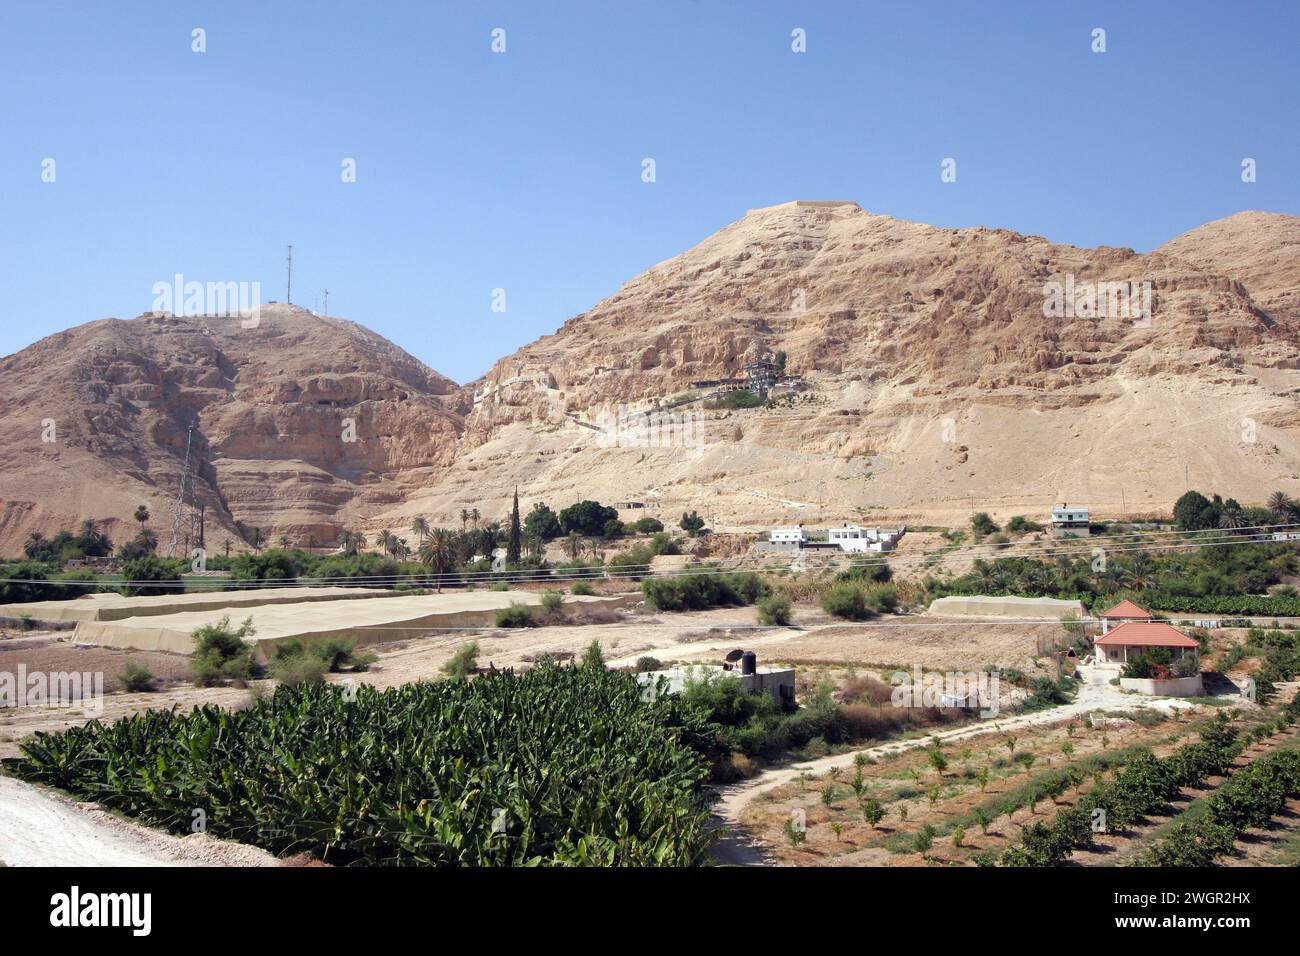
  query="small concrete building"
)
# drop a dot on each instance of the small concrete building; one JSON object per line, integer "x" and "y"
{"x": 794, "y": 534}
{"x": 778, "y": 683}
{"x": 855, "y": 539}
{"x": 1067, "y": 520}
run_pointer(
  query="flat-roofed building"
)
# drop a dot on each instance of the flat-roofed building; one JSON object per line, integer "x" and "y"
{"x": 1067, "y": 520}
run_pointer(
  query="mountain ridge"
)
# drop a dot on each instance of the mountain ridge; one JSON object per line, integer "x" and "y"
{"x": 935, "y": 383}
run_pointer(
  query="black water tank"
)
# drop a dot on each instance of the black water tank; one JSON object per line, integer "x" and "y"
{"x": 749, "y": 663}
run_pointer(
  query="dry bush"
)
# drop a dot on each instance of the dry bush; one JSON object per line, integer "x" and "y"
{"x": 865, "y": 690}
{"x": 882, "y": 721}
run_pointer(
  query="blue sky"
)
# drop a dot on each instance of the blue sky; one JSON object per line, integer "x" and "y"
{"x": 522, "y": 170}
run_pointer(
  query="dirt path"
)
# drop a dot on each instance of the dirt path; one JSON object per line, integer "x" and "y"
{"x": 737, "y": 848}
{"x": 39, "y": 827}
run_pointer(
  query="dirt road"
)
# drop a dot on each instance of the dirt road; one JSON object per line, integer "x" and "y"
{"x": 41, "y": 828}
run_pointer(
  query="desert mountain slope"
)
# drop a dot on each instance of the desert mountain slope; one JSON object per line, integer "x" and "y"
{"x": 1262, "y": 249}
{"x": 943, "y": 376}
{"x": 270, "y": 403}
{"x": 938, "y": 384}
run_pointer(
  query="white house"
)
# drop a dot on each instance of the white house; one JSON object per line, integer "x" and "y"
{"x": 791, "y": 535}
{"x": 1070, "y": 520}
{"x": 856, "y": 539}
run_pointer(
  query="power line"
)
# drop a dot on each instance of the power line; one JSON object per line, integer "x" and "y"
{"x": 634, "y": 572}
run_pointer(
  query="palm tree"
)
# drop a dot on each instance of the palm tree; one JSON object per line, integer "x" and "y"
{"x": 1231, "y": 520}
{"x": 284, "y": 541}
{"x": 142, "y": 515}
{"x": 464, "y": 518}
{"x": 225, "y": 544}
{"x": 257, "y": 539}
{"x": 385, "y": 541}
{"x": 574, "y": 545}
{"x": 436, "y": 553}
{"x": 474, "y": 516}
{"x": 420, "y": 528}
{"x": 1281, "y": 506}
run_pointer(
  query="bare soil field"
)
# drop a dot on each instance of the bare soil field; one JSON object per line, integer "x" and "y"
{"x": 914, "y": 794}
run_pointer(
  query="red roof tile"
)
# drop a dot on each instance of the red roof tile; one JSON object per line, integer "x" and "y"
{"x": 1126, "y": 609}
{"x": 1146, "y": 634}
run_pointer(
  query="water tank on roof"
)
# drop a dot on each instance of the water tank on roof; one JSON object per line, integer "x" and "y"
{"x": 749, "y": 663}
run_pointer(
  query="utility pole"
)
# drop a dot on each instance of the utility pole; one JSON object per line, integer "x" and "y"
{"x": 288, "y": 290}
{"x": 325, "y": 309}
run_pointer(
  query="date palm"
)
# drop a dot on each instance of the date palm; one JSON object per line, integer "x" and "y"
{"x": 1282, "y": 507}
{"x": 1231, "y": 520}
{"x": 436, "y": 552}
{"x": 420, "y": 528}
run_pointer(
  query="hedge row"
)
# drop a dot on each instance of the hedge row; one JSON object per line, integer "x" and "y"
{"x": 1145, "y": 786}
{"x": 1249, "y": 799}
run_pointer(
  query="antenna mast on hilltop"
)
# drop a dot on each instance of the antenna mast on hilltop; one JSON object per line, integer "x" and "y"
{"x": 288, "y": 288}
{"x": 325, "y": 307}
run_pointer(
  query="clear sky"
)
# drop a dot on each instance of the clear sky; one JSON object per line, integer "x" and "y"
{"x": 523, "y": 170}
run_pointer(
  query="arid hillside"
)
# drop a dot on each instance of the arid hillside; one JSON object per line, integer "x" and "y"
{"x": 944, "y": 371}
{"x": 96, "y": 419}
{"x": 937, "y": 384}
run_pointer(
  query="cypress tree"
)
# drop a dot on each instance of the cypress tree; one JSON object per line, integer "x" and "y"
{"x": 513, "y": 542}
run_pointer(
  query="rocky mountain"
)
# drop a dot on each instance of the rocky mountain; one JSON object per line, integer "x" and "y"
{"x": 943, "y": 371}
{"x": 940, "y": 377}
{"x": 96, "y": 422}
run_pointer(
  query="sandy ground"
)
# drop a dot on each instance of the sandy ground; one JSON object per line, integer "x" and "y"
{"x": 41, "y": 828}
{"x": 19, "y": 722}
{"x": 111, "y": 606}
{"x": 366, "y": 619}
{"x": 740, "y": 847}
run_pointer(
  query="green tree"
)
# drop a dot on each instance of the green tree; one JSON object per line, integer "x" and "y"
{"x": 420, "y": 528}
{"x": 586, "y": 518}
{"x": 1193, "y": 511}
{"x": 542, "y": 523}
{"x": 872, "y": 812}
{"x": 692, "y": 523}
{"x": 514, "y": 538}
{"x": 436, "y": 553}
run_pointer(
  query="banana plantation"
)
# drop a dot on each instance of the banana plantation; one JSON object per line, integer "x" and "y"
{"x": 557, "y": 766}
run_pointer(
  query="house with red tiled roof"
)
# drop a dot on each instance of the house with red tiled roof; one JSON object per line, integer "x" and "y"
{"x": 1137, "y": 637}
{"x": 1123, "y": 611}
